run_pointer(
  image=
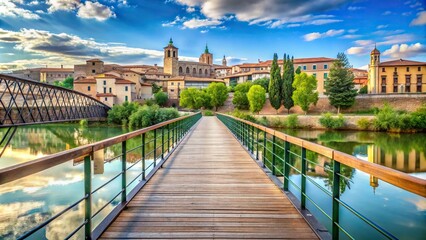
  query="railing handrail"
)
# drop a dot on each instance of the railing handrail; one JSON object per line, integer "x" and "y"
{"x": 9, "y": 77}
{"x": 389, "y": 175}
{"x": 18, "y": 171}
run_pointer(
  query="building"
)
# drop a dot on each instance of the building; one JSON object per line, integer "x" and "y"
{"x": 107, "y": 88}
{"x": 45, "y": 75}
{"x": 319, "y": 67}
{"x": 177, "y": 84}
{"x": 360, "y": 77}
{"x": 396, "y": 76}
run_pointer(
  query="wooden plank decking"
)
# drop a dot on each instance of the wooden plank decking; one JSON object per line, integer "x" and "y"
{"x": 210, "y": 188}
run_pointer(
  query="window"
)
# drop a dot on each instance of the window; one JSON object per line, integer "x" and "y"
{"x": 172, "y": 83}
{"x": 407, "y": 83}
{"x": 172, "y": 90}
{"x": 126, "y": 88}
{"x": 200, "y": 72}
{"x": 395, "y": 70}
{"x": 187, "y": 70}
{"x": 168, "y": 53}
{"x": 383, "y": 70}
{"x": 304, "y": 67}
{"x": 384, "y": 89}
{"x": 206, "y": 72}
{"x": 126, "y": 98}
{"x": 419, "y": 83}
{"x": 383, "y": 80}
{"x": 93, "y": 63}
{"x": 419, "y": 69}
{"x": 104, "y": 82}
{"x": 325, "y": 75}
{"x": 180, "y": 70}
{"x": 408, "y": 69}
{"x": 104, "y": 89}
{"x": 110, "y": 90}
{"x": 325, "y": 66}
{"x": 88, "y": 88}
{"x": 395, "y": 79}
{"x": 194, "y": 71}
{"x": 106, "y": 99}
{"x": 395, "y": 88}
{"x": 93, "y": 71}
{"x": 314, "y": 67}
{"x": 174, "y": 53}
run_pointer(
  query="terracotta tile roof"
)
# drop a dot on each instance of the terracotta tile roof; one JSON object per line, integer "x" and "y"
{"x": 57, "y": 70}
{"x": 194, "y": 79}
{"x": 402, "y": 62}
{"x": 123, "y": 81}
{"x": 222, "y": 67}
{"x": 105, "y": 95}
{"x": 85, "y": 80}
{"x": 306, "y": 60}
{"x": 94, "y": 60}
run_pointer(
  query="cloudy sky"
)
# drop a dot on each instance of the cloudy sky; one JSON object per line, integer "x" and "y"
{"x": 36, "y": 33}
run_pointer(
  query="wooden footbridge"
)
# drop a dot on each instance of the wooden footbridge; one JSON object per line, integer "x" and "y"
{"x": 212, "y": 178}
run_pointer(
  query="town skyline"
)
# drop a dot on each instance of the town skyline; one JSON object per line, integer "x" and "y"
{"x": 67, "y": 32}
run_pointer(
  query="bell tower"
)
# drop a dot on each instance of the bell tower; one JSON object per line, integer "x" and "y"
{"x": 373, "y": 71}
{"x": 224, "y": 62}
{"x": 171, "y": 60}
{"x": 206, "y": 57}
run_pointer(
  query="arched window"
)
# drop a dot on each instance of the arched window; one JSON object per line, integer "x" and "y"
{"x": 180, "y": 70}
{"x": 194, "y": 71}
{"x": 200, "y": 72}
{"x": 174, "y": 53}
{"x": 208, "y": 59}
{"x": 187, "y": 70}
{"x": 206, "y": 72}
{"x": 168, "y": 53}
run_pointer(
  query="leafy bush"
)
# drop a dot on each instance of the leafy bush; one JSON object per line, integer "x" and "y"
{"x": 328, "y": 121}
{"x": 161, "y": 98}
{"x": 419, "y": 118}
{"x": 386, "y": 119}
{"x": 264, "y": 82}
{"x": 277, "y": 122}
{"x": 149, "y": 115}
{"x": 243, "y": 115}
{"x": 363, "y": 123}
{"x": 292, "y": 121}
{"x": 156, "y": 88}
{"x": 256, "y": 97}
{"x": 120, "y": 112}
{"x": 164, "y": 114}
{"x": 208, "y": 113}
{"x": 240, "y": 99}
{"x": 84, "y": 123}
{"x": 149, "y": 102}
{"x": 363, "y": 90}
{"x": 263, "y": 121}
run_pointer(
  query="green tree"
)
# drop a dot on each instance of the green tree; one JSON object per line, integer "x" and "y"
{"x": 66, "y": 83}
{"x": 161, "y": 98}
{"x": 363, "y": 90}
{"x": 156, "y": 88}
{"x": 298, "y": 70}
{"x": 120, "y": 113}
{"x": 191, "y": 98}
{"x": 305, "y": 91}
{"x": 218, "y": 93}
{"x": 264, "y": 82}
{"x": 340, "y": 87}
{"x": 288, "y": 79}
{"x": 240, "y": 100}
{"x": 256, "y": 97}
{"x": 275, "y": 84}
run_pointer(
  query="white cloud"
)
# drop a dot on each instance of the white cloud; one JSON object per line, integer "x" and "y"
{"x": 420, "y": 20}
{"x": 316, "y": 35}
{"x": 352, "y": 30}
{"x": 95, "y": 10}
{"x": 386, "y": 13}
{"x": 352, "y": 8}
{"x": 405, "y": 50}
{"x": 62, "y": 5}
{"x": 232, "y": 60}
{"x": 8, "y": 8}
{"x": 357, "y": 51}
{"x": 382, "y": 26}
{"x": 34, "y": 3}
{"x": 271, "y": 13}
{"x": 190, "y": 9}
{"x": 198, "y": 23}
{"x": 416, "y": 4}
{"x": 204, "y": 31}
{"x": 364, "y": 42}
{"x": 174, "y": 22}
{"x": 351, "y": 36}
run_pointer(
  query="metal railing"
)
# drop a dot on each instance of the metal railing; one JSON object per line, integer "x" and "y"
{"x": 279, "y": 150}
{"x": 165, "y": 137}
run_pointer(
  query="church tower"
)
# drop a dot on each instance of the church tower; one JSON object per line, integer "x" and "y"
{"x": 206, "y": 57}
{"x": 171, "y": 60}
{"x": 373, "y": 71}
{"x": 224, "y": 63}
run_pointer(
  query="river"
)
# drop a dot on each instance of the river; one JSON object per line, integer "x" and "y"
{"x": 27, "y": 202}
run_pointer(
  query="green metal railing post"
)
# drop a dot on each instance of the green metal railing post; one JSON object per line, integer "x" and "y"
{"x": 155, "y": 147}
{"x": 162, "y": 142}
{"x": 123, "y": 171}
{"x": 252, "y": 139}
{"x": 143, "y": 156}
{"x": 273, "y": 155}
{"x": 88, "y": 197}
{"x": 303, "y": 178}
{"x": 286, "y": 165}
{"x": 336, "y": 196}
{"x": 257, "y": 144}
{"x": 264, "y": 148}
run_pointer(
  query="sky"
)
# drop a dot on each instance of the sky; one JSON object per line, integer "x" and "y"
{"x": 39, "y": 33}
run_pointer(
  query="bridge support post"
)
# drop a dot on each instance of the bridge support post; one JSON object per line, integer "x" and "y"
{"x": 303, "y": 178}
{"x": 162, "y": 143}
{"x": 143, "y": 156}
{"x": 264, "y": 148}
{"x": 252, "y": 139}
{"x": 286, "y": 165}
{"x": 273, "y": 155}
{"x": 168, "y": 138}
{"x": 257, "y": 144}
{"x": 88, "y": 198}
{"x": 336, "y": 196}
{"x": 123, "y": 171}
{"x": 155, "y": 147}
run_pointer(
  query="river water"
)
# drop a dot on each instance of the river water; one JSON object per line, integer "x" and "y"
{"x": 26, "y": 202}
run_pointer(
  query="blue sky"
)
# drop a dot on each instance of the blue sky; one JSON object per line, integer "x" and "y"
{"x": 36, "y": 33}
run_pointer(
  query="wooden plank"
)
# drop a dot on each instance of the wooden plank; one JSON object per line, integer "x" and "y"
{"x": 210, "y": 188}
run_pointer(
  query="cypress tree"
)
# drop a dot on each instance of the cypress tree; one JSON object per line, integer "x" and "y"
{"x": 275, "y": 84}
{"x": 288, "y": 79}
{"x": 340, "y": 87}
